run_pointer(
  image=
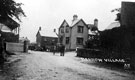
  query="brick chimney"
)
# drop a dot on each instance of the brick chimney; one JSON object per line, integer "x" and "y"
{"x": 75, "y": 17}
{"x": 96, "y": 22}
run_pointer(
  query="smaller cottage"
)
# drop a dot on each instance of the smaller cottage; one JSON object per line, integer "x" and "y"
{"x": 45, "y": 40}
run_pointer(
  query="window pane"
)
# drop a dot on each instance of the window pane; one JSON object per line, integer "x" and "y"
{"x": 80, "y": 29}
{"x": 67, "y": 40}
{"x": 79, "y": 41}
{"x": 62, "y": 30}
{"x": 67, "y": 30}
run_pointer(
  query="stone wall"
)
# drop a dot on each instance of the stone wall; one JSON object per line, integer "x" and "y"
{"x": 15, "y": 47}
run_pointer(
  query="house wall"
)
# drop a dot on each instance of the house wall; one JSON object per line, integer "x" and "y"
{"x": 67, "y": 46}
{"x": 75, "y": 34}
{"x": 48, "y": 42}
{"x": 10, "y": 37}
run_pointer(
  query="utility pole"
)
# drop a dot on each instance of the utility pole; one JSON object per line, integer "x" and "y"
{"x": 57, "y": 35}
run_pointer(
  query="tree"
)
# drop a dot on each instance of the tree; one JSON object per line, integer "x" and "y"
{"x": 118, "y": 18}
{"x": 9, "y": 9}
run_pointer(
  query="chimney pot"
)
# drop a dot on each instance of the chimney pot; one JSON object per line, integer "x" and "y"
{"x": 75, "y": 17}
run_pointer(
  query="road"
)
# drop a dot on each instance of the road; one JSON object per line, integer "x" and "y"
{"x": 46, "y": 66}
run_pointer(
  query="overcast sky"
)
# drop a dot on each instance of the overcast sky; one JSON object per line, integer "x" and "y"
{"x": 49, "y": 14}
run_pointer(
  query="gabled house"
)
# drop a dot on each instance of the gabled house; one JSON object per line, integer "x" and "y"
{"x": 74, "y": 35}
{"x": 46, "y": 41}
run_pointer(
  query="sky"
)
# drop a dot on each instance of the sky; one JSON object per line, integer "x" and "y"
{"x": 49, "y": 14}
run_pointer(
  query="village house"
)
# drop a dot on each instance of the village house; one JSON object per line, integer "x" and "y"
{"x": 9, "y": 35}
{"x": 45, "y": 41}
{"x": 76, "y": 34}
{"x": 23, "y": 39}
{"x": 9, "y": 30}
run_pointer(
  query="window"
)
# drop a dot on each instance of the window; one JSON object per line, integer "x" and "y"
{"x": 45, "y": 39}
{"x": 80, "y": 29}
{"x": 62, "y": 30}
{"x": 67, "y": 40}
{"x": 67, "y": 30}
{"x": 79, "y": 41}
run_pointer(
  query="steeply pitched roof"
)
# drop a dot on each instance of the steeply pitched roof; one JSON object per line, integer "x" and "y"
{"x": 77, "y": 21}
{"x": 113, "y": 25}
{"x": 47, "y": 33}
{"x": 74, "y": 22}
{"x": 90, "y": 26}
{"x": 63, "y": 23}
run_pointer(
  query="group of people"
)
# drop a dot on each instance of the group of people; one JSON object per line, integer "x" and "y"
{"x": 60, "y": 48}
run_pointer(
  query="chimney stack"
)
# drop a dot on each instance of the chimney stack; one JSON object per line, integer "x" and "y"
{"x": 75, "y": 17}
{"x": 96, "y": 22}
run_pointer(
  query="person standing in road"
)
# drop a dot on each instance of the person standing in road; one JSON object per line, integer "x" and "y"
{"x": 54, "y": 49}
{"x": 62, "y": 50}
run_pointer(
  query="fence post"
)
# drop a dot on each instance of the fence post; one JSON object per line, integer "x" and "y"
{"x": 25, "y": 46}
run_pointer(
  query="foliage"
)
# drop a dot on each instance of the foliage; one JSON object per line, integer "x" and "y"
{"x": 10, "y": 9}
{"x": 118, "y": 18}
{"x": 93, "y": 42}
{"x": 119, "y": 39}
{"x": 117, "y": 42}
{"x": 116, "y": 9}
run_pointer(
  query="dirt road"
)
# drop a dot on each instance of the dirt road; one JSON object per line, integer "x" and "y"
{"x": 46, "y": 66}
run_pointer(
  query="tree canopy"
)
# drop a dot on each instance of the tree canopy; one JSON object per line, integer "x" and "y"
{"x": 9, "y": 9}
{"x": 118, "y": 18}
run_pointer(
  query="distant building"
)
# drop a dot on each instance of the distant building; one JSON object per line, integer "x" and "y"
{"x": 76, "y": 34}
{"x": 32, "y": 46}
{"x": 44, "y": 40}
{"x": 22, "y": 39}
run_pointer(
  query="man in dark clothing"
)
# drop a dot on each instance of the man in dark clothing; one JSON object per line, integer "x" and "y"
{"x": 54, "y": 49}
{"x": 62, "y": 50}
